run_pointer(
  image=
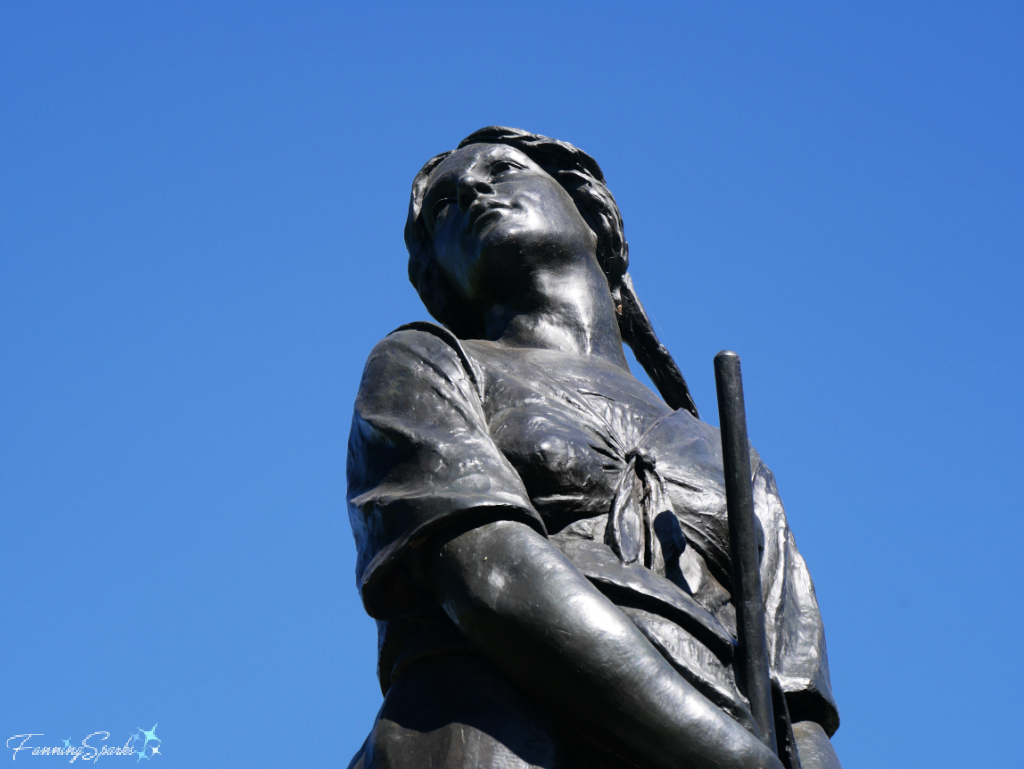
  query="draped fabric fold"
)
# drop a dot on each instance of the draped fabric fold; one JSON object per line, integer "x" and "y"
{"x": 633, "y": 530}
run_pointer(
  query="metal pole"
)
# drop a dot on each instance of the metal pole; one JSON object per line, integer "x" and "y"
{"x": 746, "y": 593}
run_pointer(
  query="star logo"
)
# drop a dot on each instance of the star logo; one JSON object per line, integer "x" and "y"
{"x": 141, "y": 755}
{"x": 150, "y": 735}
{"x": 156, "y": 749}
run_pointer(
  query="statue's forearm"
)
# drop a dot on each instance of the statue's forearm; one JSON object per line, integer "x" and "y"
{"x": 555, "y": 636}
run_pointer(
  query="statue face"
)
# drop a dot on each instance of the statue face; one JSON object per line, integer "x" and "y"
{"x": 497, "y": 219}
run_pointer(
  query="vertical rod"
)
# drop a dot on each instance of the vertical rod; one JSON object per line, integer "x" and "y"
{"x": 746, "y": 592}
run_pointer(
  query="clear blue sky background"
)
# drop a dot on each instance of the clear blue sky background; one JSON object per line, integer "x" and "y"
{"x": 201, "y": 216}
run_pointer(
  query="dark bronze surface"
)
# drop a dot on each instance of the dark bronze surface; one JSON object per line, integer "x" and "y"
{"x": 542, "y": 539}
{"x": 752, "y": 665}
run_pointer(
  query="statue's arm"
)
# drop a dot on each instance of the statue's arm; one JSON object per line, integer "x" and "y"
{"x": 532, "y": 613}
{"x": 814, "y": 747}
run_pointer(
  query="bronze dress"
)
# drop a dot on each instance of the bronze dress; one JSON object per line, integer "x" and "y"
{"x": 632, "y": 493}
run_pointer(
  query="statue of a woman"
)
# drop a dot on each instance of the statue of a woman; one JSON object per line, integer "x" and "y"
{"x": 542, "y": 539}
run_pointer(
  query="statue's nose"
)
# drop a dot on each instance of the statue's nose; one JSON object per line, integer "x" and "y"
{"x": 470, "y": 187}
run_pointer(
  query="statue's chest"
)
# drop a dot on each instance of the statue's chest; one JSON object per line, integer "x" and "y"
{"x": 574, "y": 431}
{"x": 568, "y": 431}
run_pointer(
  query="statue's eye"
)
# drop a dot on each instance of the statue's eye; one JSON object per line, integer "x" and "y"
{"x": 440, "y": 206}
{"x": 504, "y": 165}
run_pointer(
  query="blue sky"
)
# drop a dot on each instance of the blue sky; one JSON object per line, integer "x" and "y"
{"x": 201, "y": 239}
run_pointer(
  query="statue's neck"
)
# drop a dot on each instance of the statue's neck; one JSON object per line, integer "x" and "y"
{"x": 568, "y": 309}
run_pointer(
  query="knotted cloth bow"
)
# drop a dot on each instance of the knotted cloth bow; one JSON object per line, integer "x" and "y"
{"x": 640, "y": 499}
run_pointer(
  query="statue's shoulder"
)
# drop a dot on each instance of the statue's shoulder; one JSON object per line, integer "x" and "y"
{"x": 404, "y": 351}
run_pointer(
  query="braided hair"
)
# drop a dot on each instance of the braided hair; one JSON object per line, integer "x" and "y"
{"x": 582, "y": 178}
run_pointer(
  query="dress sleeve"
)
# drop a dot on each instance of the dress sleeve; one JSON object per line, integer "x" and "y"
{"x": 796, "y": 636}
{"x": 420, "y": 457}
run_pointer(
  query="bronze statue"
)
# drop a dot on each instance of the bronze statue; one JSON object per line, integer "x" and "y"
{"x": 541, "y": 538}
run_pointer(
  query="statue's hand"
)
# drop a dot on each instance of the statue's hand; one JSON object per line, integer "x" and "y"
{"x": 814, "y": 746}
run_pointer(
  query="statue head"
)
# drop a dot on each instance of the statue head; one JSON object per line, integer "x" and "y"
{"x": 577, "y": 173}
{"x": 596, "y": 218}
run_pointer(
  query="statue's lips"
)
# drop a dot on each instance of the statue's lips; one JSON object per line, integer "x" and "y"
{"x": 479, "y": 212}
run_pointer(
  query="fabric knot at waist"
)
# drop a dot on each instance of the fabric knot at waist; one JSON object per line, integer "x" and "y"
{"x": 641, "y": 524}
